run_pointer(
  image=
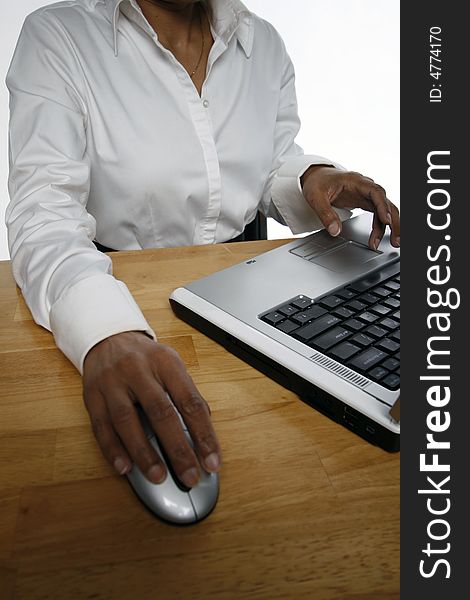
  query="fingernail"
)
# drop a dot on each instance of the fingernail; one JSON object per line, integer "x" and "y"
{"x": 121, "y": 466}
{"x": 190, "y": 477}
{"x": 212, "y": 462}
{"x": 156, "y": 474}
{"x": 376, "y": 243}
{"x": 398, "y": 241}
{"x": 389, "y": 218}
{"x": 334, "y": 229}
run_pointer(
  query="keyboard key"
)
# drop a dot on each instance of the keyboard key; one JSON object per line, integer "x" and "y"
{"x": 367, "y": 359}
{"x": 362, "y": 340}
{"x": 395, "y": 335}
{"x": 367, "y": 317}
{"x": 387, "y": 345}
{"x": 302, "y": 302}
{"x": 315, "y": 311}
{"x": 375, "y": 332}
{"x": 308, "y": 315}
{"x": 330, "y": 301}
{"x": 309, "y": 331}
{"x": 389, "y": 323}
{"x": 273, "y": 318}
{"x": 381, "y": 291}
{"x": 288, "y": 310}
{"x": 344, "y": 351}
{"x": 356, "y": 305}
{"x": 329, "y": 339}
{"x": 345, "y": 294}
{"x": 392, "y": 285}
{"x": 392, "y": 302}
{"x": 301, "y": 318}
{"x": 354, "y": 324}
{"x": 391, "y": 364}
{"x": 396, "y": 315}
{"x": 392, "y": 381}
{"x": 378, "y": 373}
{"x": 287, "y": 326}
{"x": 380, "y": 309}
{"x": 368, "y": 298}
{"x": 343, "y": 312}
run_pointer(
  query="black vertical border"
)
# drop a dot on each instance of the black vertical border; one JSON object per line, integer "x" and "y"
{"x": 425, "y": 127}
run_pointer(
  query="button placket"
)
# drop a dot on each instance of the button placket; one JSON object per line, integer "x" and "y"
{"x": 200, "y": 117}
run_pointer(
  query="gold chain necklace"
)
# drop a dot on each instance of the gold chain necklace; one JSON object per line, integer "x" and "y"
{"x": 203, "y": 45}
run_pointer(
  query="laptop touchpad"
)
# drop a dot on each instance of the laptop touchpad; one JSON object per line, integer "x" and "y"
{"x": 345, "y": 257}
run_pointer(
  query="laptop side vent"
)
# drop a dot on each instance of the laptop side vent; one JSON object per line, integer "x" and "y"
{"x": 340, "y": 370}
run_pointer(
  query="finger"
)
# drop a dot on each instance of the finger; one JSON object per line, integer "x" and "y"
{"x": 393, "y": 218}
{"x": 378, "y": 230}
{"x": 376, "y": 195}
{"x": 126, "y": 423}
{"x": 194, "y": 411}
{"x": 109, "y": 443}
{"x": 168, "y": 429}
{"x": 395, "y": 228}
{"x": 328, "y": 216}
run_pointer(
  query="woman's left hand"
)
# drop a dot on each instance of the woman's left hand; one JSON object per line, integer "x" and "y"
{"x": 326, "y": 187}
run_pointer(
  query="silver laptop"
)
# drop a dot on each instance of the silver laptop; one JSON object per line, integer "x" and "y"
{"x": 321, "y": 316}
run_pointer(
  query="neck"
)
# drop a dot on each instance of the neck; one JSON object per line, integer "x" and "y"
{"x": 173, "y": 21}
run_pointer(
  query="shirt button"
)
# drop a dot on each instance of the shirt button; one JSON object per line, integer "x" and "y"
{"x": 205, "y": 104}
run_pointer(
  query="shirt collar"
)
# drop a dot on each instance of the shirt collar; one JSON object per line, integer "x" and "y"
{"x": 228, "y": 17}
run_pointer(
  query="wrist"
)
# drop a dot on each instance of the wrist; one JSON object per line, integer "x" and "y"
{"x": 311, "y": 170}
{"x": 125, "y": 337}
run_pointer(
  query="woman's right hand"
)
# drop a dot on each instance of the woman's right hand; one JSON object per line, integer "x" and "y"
{"x": 130, "y": 367}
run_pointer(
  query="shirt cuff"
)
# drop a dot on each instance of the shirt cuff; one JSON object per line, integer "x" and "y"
{"x": 289, "y": 200}
{"x": 92, "y": 310}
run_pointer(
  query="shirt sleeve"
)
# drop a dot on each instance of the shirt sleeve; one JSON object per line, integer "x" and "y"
{"x": 66, "y": 282}
{"x": 283, "y": 198}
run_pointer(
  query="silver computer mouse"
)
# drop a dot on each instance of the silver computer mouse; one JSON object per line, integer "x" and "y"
{"x": 171, "y": 500}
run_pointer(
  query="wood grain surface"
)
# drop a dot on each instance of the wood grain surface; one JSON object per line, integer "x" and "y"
{"x": 307, "y": 509}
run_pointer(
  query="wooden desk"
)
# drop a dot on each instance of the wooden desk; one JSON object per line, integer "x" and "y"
{"x": 307, "y": 509}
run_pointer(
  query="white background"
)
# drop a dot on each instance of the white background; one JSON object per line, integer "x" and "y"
{"x": 346, "y": 55}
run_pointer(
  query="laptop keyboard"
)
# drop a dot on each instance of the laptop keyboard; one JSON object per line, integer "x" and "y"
{"x": 357, "y": 325}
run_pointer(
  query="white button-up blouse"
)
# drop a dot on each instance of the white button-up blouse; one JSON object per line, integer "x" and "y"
{"x": 110, "y": 140}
